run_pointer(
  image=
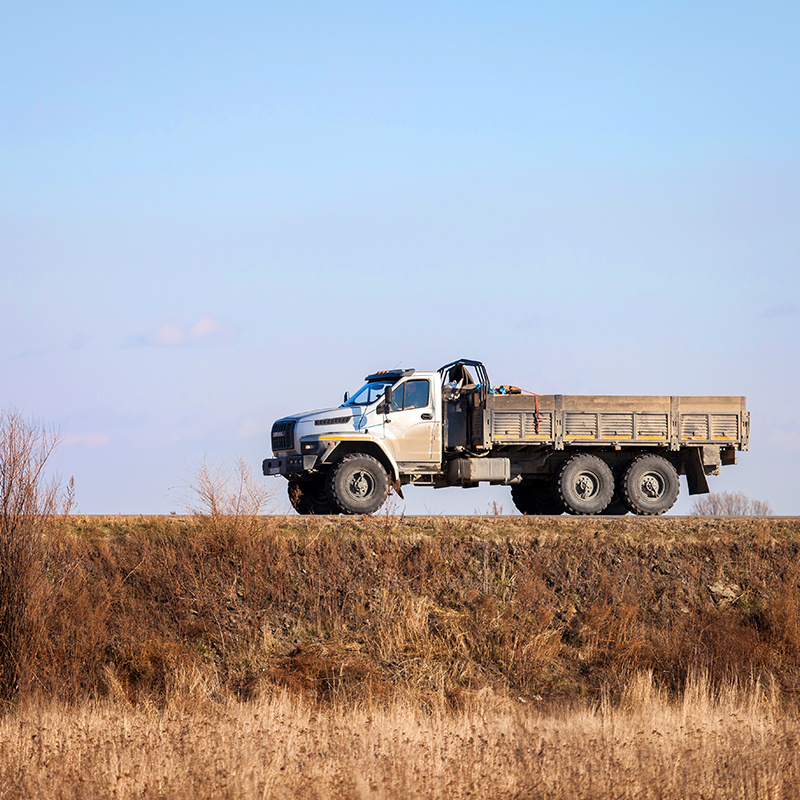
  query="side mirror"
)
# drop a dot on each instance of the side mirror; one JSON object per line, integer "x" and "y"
{"x": 346, "y": 397}
{"x": 385, "y": 405}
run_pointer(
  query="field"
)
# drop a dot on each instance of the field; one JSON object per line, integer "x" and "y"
{"x": 388, "y": 657}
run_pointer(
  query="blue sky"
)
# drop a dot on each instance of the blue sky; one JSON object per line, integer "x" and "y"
{"x": 214, "y": 214}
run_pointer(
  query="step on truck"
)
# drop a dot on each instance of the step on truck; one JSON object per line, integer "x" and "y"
{"x": 579, "y": 454}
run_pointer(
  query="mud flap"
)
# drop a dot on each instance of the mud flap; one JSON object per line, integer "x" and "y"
{"x": 695, "y": 474}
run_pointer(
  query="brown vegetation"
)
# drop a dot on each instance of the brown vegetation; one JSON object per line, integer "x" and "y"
{"x": 732, "y": 744}
{"x": 227, "y": 654}
{"x": 230, "y": 498}
{"x": 434, "y": 610}
{"x": 729, "y": 504}
{"x": 29, "y": 506}
{"x": 384, "y": 657}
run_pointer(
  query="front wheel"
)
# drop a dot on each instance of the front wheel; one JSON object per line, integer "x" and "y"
{"x": 358, "y": 484}
{"x": 650, "y": 485}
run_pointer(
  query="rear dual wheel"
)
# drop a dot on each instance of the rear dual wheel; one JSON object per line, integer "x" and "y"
{"x": 584, "y": 484}
{"x": 650, "y": 485}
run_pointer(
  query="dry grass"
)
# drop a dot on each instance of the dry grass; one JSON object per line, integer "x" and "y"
{"x": 383, "y": 657}
{"x": 732, "y": 744}
{"x": 225, "y": 498}
{"x": 226, "y": 654}
{"x": 426, "y": 611}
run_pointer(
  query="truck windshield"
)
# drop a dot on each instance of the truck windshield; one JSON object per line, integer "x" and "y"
{"x": 368, "y": 393}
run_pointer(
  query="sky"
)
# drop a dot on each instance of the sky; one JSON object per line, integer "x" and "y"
{"x": 216, "y": 214}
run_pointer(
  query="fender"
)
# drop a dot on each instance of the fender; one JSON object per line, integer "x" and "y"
{"x": 360, "y": 444}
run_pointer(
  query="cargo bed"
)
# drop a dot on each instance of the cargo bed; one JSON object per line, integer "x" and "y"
{"x": 562, "y": 420}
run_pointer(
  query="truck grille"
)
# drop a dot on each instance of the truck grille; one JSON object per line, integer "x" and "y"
{"x": 283, "y": 435}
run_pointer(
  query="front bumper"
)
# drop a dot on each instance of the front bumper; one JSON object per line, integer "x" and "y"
{"x": 288, "y": 465}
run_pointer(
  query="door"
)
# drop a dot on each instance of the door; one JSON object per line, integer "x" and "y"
{"x": 411, "y": 423}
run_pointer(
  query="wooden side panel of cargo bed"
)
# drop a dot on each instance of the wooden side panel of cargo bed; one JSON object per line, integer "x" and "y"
{"x": 619, "y": 419}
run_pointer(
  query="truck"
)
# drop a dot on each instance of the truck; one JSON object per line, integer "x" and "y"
{"x": 579, "y": 454}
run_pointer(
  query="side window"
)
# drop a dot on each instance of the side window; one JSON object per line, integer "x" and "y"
{"x": 417, "y": 393}
{"x": 411, "y": 394}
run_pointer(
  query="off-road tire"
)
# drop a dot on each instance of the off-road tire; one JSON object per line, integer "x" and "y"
{"x": 311, "y": 497}
{"x": 584, "y": 484}
{"x": 358, "y": 484}
{"x": 535, "y": 498}
{"x": 650, "y": 485}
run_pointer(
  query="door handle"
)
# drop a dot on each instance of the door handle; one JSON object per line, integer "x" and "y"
{"x": 427, "y": 416}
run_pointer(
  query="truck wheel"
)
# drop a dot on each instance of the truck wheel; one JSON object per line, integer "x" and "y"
{"x": 358, "y": 484}
{"x": 585, "y": 484}
{"x": 311, "y": 497}
{"x": 535, "y": 498}
{"x": 650, "y": 485}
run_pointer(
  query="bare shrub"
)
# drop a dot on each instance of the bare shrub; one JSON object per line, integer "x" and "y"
{"x": 27, "y": 506}
{"x": 226, "y": 498}
{"x": 729, "y": 504}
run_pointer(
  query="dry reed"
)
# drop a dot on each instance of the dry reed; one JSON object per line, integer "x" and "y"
{"x": 732, "y": 742}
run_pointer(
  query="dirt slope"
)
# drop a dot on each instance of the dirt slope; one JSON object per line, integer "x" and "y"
{"x": 431, "y": 608}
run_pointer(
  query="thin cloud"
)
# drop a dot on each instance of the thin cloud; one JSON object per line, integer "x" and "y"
{"x": 205, "y": 331}
{"x": 138, "y": 340}
{"x": 78, "y": 341}
{"x": 170, "y": 334}
{"x": 205, "y": 326}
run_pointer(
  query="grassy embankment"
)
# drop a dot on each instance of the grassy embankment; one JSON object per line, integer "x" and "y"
{"x": 431, "y": 657}
{"x": 431, "y": 610}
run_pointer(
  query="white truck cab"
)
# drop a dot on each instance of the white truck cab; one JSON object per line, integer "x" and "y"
{"x": 391, "y": 425}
